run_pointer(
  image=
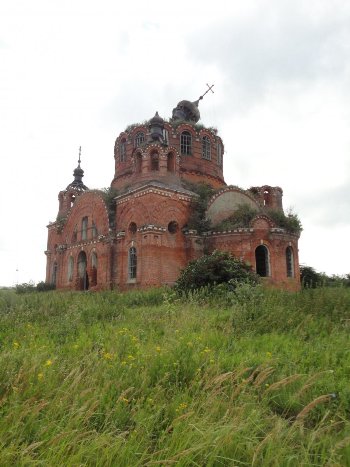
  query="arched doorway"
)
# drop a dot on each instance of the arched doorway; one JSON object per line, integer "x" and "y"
{"x": 82, "y": 271}
{"x": 262, "y": 261}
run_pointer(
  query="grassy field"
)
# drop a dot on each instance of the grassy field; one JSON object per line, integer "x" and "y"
{"x": 255, "y": 377}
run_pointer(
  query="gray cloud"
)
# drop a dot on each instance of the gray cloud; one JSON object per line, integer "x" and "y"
{"x": 275, "y": 46}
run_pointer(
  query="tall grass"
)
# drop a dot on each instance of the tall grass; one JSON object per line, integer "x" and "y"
{"x": 252, "y": 377}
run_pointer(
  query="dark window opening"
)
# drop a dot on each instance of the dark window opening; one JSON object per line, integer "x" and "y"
{"x": 82, "y": 271}
{"x": 262, "y": 261}
{"x": 132, "y": 263}
{"x": 94, "y": 231}
{"x": 206, "y": 153}
{"x": 186, "y": 143}
{"x": 290, "y": 262}
{"x": 132, "y": 228}
{"x": 173, "y": 227}
{"x": 171, "y": 162}
{"x": 84, "y": 226}
{"x": 138, "y": 163}
{"x": 219, "y": 154}
{"x": 154, "y": 162}
{"x": 139, "y": 139}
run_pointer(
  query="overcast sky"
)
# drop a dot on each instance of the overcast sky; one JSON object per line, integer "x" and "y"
{"x": 76, "y": 72}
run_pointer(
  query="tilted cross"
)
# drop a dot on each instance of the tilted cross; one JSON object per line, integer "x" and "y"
{"x": 209, "y": 89}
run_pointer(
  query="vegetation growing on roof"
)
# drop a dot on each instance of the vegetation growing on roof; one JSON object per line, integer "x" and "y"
{"x": 241, "y": 218}
{"x": 199, "y": 205}
{"x": 290, "y": 222}
{"x": 108, "y": 195}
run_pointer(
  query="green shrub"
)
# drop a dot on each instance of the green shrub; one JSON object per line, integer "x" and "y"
{"x": 217, "y": 268}
{"x": 291, "y": 222}
{"x": 240, "y": 218}
{"x": 44, "y": 286}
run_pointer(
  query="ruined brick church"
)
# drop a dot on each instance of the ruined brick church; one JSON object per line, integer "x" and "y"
{"x": 147, "y": 226}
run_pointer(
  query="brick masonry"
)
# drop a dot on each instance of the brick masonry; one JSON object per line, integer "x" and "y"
{"x": 90, "y": 243}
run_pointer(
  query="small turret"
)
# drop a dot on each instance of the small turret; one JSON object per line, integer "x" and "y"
{"x": 68, "y": 196}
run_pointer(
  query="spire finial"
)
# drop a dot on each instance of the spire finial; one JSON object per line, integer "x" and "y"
{"x": 210, "y": 88}
{"x": 80, "y": 155}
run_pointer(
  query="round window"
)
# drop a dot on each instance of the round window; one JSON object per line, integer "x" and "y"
{"x": 173, "y": 227}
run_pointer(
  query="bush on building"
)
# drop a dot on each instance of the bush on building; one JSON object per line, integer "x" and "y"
{"x": 291, "y": 222}
{"x": 218, "y": 268}
{"x": 197, "y": 220}
{"x": 240, "y": 218}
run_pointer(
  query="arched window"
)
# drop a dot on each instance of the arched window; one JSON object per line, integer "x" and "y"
{"x": 75, "y": 234}
{"x": 70, "y": 268}
{"x": 54, "y": 274}
{"x": 290, "y": 261}
{"x": 262, "y": 261}
{"x": 138, "y": 162}
{"x": 93, "y": 269}
{"x": 171, "y": 162}
{"x": 206, "y": 153}
{"x": 122, "y": 150}
{"x": 82, "y": 271}
{"x": 139, "y": 139}
{"x": 155, "y": 161}
{"x": 186, "y": 143}
{"x": 84, "y": 226}
{"x": 94, "y": 231}
{"x": 267, "y": 197}
{"x": 219, "y": 154}
{"x": 132, "y": 263}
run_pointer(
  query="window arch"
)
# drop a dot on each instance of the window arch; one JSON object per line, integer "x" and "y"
{"x": 186, "y": 143}
{"x": 70, "y": 268}
{"x": 139, "y": 139}
{"x": 132, "y": 266}
{"x": 206, "y": 148}
{"x": 122, "y": 150}
{"x": 290, "y": 261}
{"x": 262, "y": 261}
{"x": 155, "y": 161}
{"x": 84, "y": 227}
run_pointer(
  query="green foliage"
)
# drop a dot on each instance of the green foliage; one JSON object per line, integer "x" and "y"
{"x": 217, "y": 268}
{"x": 30, "y": 287}
{"x": 240, "y": 218}
{"x": 25, "y": 287}
{"x": 291, "y": 222}
{"x": 310, "y": 278}
{"x": 199, "y": 205}
{"x": 146, "y": 378}
{"x": 45, "y": 286}
{"x": 109, "y": 195}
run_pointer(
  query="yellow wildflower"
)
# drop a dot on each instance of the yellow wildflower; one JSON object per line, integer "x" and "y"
{"x": 107, "y": 356}
{"x": 16, "y": 345}
{"x": 125, "y": 400}
{"x": 40, "y": 376}
{"x": 48, "y": 362}
{"x": 158, "y": 349}
{"x": 268, "y": 354}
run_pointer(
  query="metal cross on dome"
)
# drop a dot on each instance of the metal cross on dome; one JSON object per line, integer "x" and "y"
{"x": 210, "y": 88}
{"x": 79, "y": 155}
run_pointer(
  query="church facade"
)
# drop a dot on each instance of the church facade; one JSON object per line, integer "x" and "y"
{"x": 154, "y": 218}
